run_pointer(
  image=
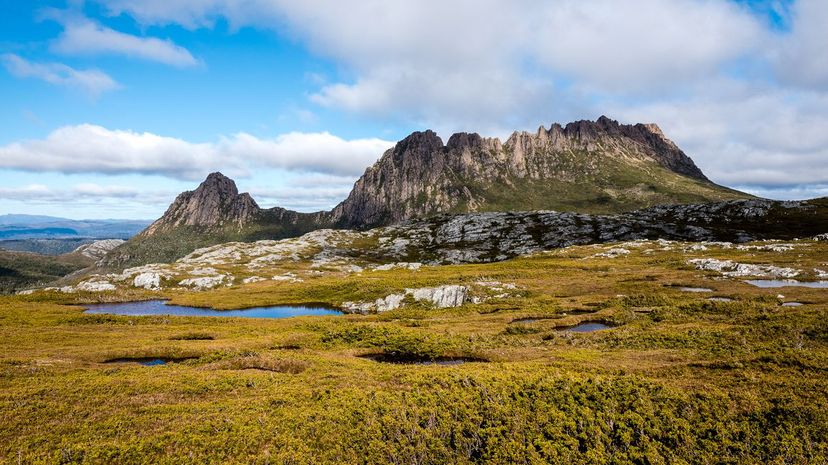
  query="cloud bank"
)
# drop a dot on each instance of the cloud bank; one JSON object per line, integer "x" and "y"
{"x": 744, "y": 97}
{"x": 89, "y": 148}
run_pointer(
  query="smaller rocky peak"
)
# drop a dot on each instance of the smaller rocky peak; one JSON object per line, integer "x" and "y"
{"x": 583, "y": 130}
{"x": 215, "y": 202}
{"x": 464, "y": 140}
{"x": 419, "y": 145}
{"x": 608, "y": 125}
{"x": 219, "y": 184}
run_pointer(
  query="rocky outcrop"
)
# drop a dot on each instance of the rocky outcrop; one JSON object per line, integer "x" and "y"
{"x": 215, "y": 203}
{"x": 450, "y": 295}
{"x": 485, "y": 237}
{"x": 98, "y": 249}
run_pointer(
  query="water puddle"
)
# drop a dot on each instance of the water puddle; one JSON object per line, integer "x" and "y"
{"x": 586, "y": 327}
{"x": 148, "y": 361}
{"x": 792, "y": 304}
{"x": 160, "y": 307}
{"x": 534, "y": 319}
{"x": 720, "y": 299}
{"x": 787, "y": 282}
{"x": 416, "y": 360}
{"x": 695, "y": 289}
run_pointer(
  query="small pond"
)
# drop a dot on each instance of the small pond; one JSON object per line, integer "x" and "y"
{"x": 534, "y": 319}
{"x": 148, "y": 361}
{"x": 586, "y": 327}
{"x": 695, "y": 289}
{"x": 415, "y": 360}
{"x": 792, "y": 304}
{"x": 160, "y": 307}
{"x": 786, "y": 282}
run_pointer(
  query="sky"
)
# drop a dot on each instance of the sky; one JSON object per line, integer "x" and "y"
{"x": 112, "y": 107}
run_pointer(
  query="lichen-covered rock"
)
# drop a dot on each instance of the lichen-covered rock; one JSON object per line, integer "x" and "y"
{"x": 612, "y": 253}
{"x": 736, "y": 270}
{"x": 441, "y": 296}
{"x": 203, "y": 282}
{"x": 95, "y": 286}
{"x": 147, "y": 280}
{"x": 98, "y": 249}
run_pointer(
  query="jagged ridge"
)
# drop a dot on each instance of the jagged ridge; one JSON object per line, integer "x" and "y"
{"x": 589, "y": 167}
{"x": 595, "y": 167}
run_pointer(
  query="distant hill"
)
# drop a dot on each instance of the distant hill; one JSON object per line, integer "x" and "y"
{"x": 598, "y": 167}
{"x": 50, "y": 226}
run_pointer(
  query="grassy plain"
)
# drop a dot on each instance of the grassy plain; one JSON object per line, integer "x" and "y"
{"x": 679, "y": 379}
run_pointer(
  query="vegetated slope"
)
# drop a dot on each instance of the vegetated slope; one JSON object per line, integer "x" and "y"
{"x": 588, "y": 167}
{"x": 21, "y": 270}
{"x": 24, "y": 270}
{"x": 45, "y": 246}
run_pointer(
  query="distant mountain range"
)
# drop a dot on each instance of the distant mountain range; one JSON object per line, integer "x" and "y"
{"x": 51, "y": 235}
{"x": 36, "y": 227}
{"x": 596, "y": 167}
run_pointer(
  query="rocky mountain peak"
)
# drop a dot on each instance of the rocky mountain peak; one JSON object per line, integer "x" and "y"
{"x": 216, "y": 202}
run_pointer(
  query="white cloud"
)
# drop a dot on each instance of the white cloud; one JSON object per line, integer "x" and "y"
{"x": 475, "y": 60}
{"x": 90, "y": 81}
{"x": 760, "y": 138}
{"x": 801, "y": 56}
{"x": 749, "y": 102}
{"x": 314, "y": 152}
{"x": 81, "y": 192}
{"x": 82, "y": 36}
{"x": 89, "y": 148}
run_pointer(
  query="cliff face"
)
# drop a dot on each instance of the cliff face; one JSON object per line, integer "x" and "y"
{"x": 215, "y": 203}
{"x": 599, "y": 166}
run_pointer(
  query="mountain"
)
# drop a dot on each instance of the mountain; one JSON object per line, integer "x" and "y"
{"x": 588, "y": 167}
{"x": 213, "y": 213}
{"x": 215, "y": 204}
{"x": 20, "y": 227}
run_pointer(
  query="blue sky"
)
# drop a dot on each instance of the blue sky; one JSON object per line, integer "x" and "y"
{"x": 113, "y": 107}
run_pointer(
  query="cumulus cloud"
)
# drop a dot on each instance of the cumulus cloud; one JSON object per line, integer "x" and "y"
{"x": 785, "y": 149}
{"x": 89, "y": 148}
{"x": 801, "y": 56}
{"x": 82, "y": 36}
{"x": 81, "y": 192}
{"x": 749, "y": 102}
{"x": 468, "y": 60}
{"x": 90, "y": 81}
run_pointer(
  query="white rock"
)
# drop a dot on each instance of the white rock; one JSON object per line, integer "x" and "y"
{"x": 147, "y": 280}
{"x": 612, "y": 253}
{"x": 290, "y": 277}
{"x": 390, "y": 302}
{"x": 98, "y": 249}
{"x": 253, "y": 279}
{"x": 359, "y": 307}
{"x": 203, "y": 282}
{"x": 734, "y": 270}
{"x": 95, "y": 286}
{"x": 441, "y": 297}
